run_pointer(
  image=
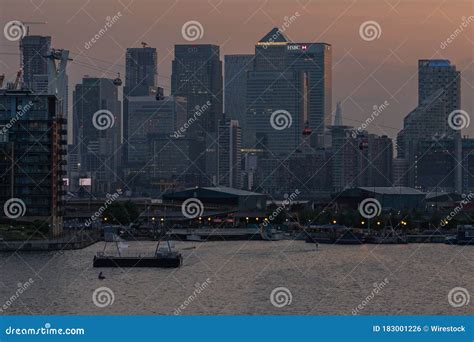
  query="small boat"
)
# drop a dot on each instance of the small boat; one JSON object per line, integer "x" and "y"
{"x": 465, "y": 235}
{"x": 164, "y": 256}
{"x": 451, "y": 240}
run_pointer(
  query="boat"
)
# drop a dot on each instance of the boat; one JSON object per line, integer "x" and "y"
{"x": 386, "y": 239}
{"x": 334, "y": 234}
{"x": 465, "y": 235}
{"x": 164, "y": 256}
{"x": 388, "y": 236}
{"x": 451, "y": 240}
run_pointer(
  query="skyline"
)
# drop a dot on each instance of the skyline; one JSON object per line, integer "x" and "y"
{"x": 372, "y": 81}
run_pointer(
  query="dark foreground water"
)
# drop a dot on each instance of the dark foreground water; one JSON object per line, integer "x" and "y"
{"x": 238, "y": 278}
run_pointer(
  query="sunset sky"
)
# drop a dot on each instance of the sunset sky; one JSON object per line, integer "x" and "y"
{"x": 365, "y": 73}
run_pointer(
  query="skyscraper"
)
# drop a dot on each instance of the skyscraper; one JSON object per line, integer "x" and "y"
{"x": 197, "y": 75}
{"x": 33, "y": 141}
{"x": 439, "y": 93}
{"x": 97, "y": 114}
{"x": 308, "y": 68}
{"x": 34, "y": 63}
{"x": 148, "y": 115}
{"x": 435, "y": 74}
{"x": 315, "y": 60}
{"x": 229, "y": 154}
{"x": 235, "y": 89}
{"x": 140, "y": 80}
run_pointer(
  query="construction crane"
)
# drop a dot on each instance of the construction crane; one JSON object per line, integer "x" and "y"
{"x": 26, "y": 23}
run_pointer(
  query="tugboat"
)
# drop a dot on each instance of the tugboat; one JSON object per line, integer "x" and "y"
{"x": 164, "y": 256}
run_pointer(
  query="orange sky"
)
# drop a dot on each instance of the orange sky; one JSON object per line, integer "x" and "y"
{"x": 365, "y": 73}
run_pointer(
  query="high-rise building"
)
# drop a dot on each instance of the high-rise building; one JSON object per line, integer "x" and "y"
{"x": 288, "y": 101}
{"x": 229, "y": 154}
{"x": 435, "y": 74}
{"x": 400, "y": 172}
{"x": 197, "y": 75}
{"x": 174, "y": 161}
{"x": 439, "y": 93}
{"x": 34, "y": 63}
{"x": 96, "y": 115}
{"x": 435, "y": 165}
{"x": 360, "y": 158}
{"x": 315, "y": 60}
{"x": 141, "y": 73}
{"x": 147, "y": 115}
{"x": 235, "y": 89}
{"x": 275, "y": 52}
{"x": 33, "y": 141}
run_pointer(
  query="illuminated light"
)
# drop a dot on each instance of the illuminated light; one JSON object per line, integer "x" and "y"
{"x": 378, "y": 223}
{"x": 363, "y": 222}
{"x": 105, "y": 218}
{"x": 162, "y": 219}
{"x": 271, "y": 43}
{"x": 208, "y": 218}
{"x": 256, "y": 218}
{"x": 200, "y": 218}
{"x": 153, "y": 219}
{"x": 334, "y": 221}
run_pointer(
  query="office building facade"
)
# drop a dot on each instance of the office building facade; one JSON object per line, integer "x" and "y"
{"x": 33, "y": 143}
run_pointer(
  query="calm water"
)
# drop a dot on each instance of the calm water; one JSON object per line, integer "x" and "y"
{"x": 331, "y": 280}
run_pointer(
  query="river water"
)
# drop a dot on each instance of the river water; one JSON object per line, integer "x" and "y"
{"x": 238, "y": 277}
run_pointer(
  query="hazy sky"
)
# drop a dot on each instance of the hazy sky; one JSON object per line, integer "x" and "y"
{"x": 365, "y": 73}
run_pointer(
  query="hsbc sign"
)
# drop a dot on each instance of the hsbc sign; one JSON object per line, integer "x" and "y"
{"x": 297, "y": 47}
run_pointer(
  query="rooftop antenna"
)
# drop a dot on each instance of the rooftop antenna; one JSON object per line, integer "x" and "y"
{"x": 338, "y": 116}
